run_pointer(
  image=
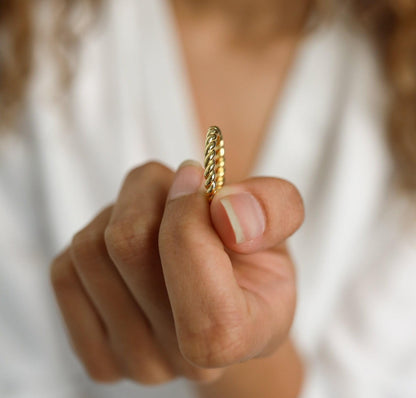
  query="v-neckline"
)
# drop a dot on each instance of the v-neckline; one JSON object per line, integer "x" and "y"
{"x": 172, "y": 35}
{"x": 298, "y": 125}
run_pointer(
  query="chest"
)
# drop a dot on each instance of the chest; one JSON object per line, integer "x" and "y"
{"x": 235, "y": 88}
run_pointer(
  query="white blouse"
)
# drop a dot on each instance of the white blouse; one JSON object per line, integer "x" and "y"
{"x": 130, "y": 102}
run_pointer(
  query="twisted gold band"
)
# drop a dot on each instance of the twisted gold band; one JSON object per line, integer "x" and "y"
{"x": 214, "y": 162}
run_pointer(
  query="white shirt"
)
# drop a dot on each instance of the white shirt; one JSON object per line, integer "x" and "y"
{"x": 130, "y": 102}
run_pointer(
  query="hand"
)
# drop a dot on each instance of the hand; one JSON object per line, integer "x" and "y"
{"x": 161, "y": 284}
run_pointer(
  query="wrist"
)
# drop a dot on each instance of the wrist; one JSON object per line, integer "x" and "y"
{"x": 280, "y": 374}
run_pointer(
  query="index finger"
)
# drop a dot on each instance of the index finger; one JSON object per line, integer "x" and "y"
{"x": 209, "y": 307}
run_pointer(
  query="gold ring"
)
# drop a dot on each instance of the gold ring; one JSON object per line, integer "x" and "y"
{"x": 214, "y": 162}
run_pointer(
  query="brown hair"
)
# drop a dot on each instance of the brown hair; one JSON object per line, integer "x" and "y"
{"x": 392, "y": 23}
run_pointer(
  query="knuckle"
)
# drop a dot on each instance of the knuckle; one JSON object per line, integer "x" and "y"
{"x": 61, "y": 273}
{"x": 128, "y": 236}
{"x": 133, "y": 175}
{"x": 85, "y": 245}
{"x": 99, "y": 363}
{"x": 118, "y": 236}
{"x": 215, "y": 347}
{"x": 152, "y": 169}
{"x": 155, "y": 168}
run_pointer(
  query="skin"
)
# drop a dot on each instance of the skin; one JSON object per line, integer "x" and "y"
{"x": 240, "y": 88}
{"x": 152, "y": 290}
{"x": 155, "y": 288}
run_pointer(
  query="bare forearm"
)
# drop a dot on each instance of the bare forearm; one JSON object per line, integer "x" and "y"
{"x": 280, "y": 376}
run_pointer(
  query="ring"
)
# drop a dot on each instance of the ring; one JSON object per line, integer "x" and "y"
{"x": 214, "y": 162}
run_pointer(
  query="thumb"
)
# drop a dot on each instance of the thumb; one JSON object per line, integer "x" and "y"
{"x": 256, "y": 214}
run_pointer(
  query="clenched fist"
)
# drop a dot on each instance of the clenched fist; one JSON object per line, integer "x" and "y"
{"x": 163, "y": 284}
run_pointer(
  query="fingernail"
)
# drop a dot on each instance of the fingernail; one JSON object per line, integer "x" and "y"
{"x": 245, "y": 215}
{"x": 187, "y": 180}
